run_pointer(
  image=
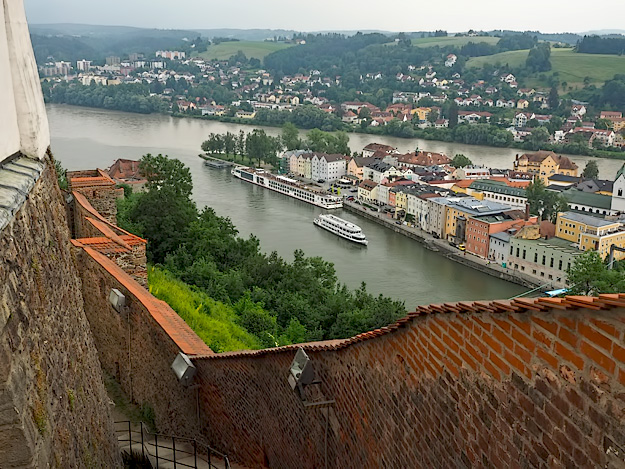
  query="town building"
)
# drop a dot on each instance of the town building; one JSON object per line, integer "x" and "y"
{"x": 480, "y": 228}
{"x": 617, "y": 203}
{"x": 546, "y": 260}
{"x": 379, "y": 171}
{"x": 368, "y": 191}
{"x": 461, "y": 210}
{"x": 499, "y": 247}
{"x": 543, "y": 164}
{"x": 372, "y": 148}
{"x": 498, "y": 191}
{"x": 472, "y": 172}
{"x": 590, "y": 233}
{"x": 327, "y": 167}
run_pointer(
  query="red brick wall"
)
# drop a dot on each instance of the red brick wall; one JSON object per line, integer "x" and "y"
{"x": 533, "y": 388}
{"x": 454, "y": 390}
{"x": 155, "y": 334}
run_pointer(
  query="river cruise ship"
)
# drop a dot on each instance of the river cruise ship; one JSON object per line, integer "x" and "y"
{"x": 342, "y": 228}
{"x": 287, "y": 186}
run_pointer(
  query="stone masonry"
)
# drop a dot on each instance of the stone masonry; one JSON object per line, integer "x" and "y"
{"x": 54, "y": 411}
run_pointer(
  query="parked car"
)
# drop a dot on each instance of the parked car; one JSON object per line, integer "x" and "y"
{"x": 321, "y": 181}
{"x": 462, "y": 247}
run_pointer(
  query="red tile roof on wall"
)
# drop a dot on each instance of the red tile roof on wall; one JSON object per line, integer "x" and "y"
{"x": 84, "y": 203}
{"x": 99, "y": 179}
{"x": 519, "y": 305}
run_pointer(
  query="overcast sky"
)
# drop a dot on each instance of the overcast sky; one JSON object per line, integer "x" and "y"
{"x": 315, "y": 15}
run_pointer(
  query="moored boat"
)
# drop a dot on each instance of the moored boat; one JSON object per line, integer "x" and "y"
{"x": 342, "y": 228}
{"x": 287, "y": 186}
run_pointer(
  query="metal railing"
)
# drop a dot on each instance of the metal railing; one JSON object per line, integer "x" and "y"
{"x": 187, "y": 447}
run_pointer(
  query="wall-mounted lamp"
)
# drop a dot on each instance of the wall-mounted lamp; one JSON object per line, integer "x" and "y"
{"x": 184, "y": 369}
{"x": 117, "y": 300}
{"x": 301, "y": 372}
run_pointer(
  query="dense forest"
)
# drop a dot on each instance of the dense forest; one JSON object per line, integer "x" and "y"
{"x": 274, "y": 300}
{"x": 602, "y": 45}
{"x": 126, "y": 97}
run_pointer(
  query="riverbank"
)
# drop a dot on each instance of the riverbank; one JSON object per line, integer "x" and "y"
{"x": 417, "y": 133}
{"x": 443, "y": 247}
{"x": 379, "y": 132}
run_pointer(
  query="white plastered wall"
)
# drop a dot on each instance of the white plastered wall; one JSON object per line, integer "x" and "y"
{"x": 9, "y": 130}
{"x": 22, "y": 110}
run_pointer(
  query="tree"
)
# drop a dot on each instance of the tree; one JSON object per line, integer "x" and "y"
{"x": 538, "y": 58}
{"x": 432, "y": 116}
{"x": 460, "y": 161}
{"x": 261, "y": 147}
{"x": 589, "y": 276}
{"x": 290, "y": 136}
{"x": 229, "y": 143}
{"x": 453, "y": 115}
{"x": 603, "y": 124}
{"x": 167, "y": 175}
{"x": 591, "y": 171}
{"x": 537, "y": 138}
{"x": 546, "y": 204}
{"x": 61, "y": 174}
{"x": 554, "y": 98}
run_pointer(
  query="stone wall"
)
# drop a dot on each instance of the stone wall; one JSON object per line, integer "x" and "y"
{"x": 99, "y": 189}
{"x": 54, "y": 411}
{"x": 93, "y": 230}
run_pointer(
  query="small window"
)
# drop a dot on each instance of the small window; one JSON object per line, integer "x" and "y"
{"x": 560, "y": 264}
{"x": 535, "y": 257}
{"x": 620, "y": 192}
{"x": 517, "y": 252}
{"x": 523, "y": 253}
{"x": 551, "y": 262}
{"x": 544, "y": 259}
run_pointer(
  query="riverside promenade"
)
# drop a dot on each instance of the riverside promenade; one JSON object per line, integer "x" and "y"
{"x": 443, "y": 247}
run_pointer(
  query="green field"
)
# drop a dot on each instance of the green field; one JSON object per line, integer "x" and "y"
{"x": 572, "y": 67}
{"x": 452, "y": 41}
{"x": 251, "y": 49}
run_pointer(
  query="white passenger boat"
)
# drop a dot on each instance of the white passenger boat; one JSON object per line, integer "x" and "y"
{"x": 287, "y": 186}
{"x": 341, "y": 227}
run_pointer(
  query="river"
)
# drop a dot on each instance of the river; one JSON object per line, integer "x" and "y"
{"x": 392, "y": 264}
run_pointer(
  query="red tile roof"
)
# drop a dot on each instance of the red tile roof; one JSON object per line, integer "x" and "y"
{"x": 519, "y": 305}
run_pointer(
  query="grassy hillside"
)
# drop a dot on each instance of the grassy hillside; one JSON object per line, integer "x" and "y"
{"x": 513, "y": 58}
{"x": 452, "y": 41}
{"x": 252, "y": 49}
{"x": 572, "y": 67}
{"x": 214, "y": 322}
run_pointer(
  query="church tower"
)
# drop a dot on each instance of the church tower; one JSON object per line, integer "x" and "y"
{"x": 618, "y": 191}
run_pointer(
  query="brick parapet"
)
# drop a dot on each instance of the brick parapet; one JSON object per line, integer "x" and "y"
{"x": 455, "y": 389}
